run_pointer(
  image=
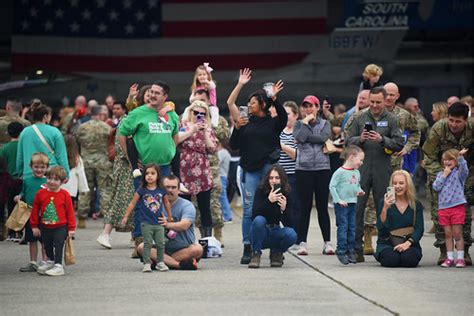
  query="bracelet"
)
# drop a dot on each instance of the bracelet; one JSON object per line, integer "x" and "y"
{"x": 410, "y": 240}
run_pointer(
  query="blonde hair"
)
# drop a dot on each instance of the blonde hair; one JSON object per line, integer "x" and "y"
{"x": 410, "y": 192}
{"x": 350, "y": 150}
{"x": 442, "y": 108}
{"x": 466, "y": 100}
{"x": 39, "y": 158}
{"x": 56, "y": 172}
{"x": 196, "y": 82}
{"x": 197, "y": 104}
{"x": 372, "y": 70}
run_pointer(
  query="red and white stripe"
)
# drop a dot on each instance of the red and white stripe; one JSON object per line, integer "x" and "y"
{"x": 229, "y": 34}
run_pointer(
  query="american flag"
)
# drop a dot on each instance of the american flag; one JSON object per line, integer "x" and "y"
{"x": 151, "y": 36}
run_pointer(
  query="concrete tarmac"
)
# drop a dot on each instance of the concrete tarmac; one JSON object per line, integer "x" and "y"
{"x": 109, "y": 282}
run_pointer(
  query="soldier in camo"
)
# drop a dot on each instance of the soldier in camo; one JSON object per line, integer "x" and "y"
{"x": 407, "y": 122}
{"x": 92, "y": 138}
{"x": 13, "y": 109}
{"x": 222, "y": 133}
{"x": 454, "y": 132}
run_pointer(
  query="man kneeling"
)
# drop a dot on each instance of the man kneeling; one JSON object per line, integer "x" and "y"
{"x": 181, "y": 252}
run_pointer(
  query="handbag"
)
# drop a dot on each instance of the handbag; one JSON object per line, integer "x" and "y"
{"x": 400, "y": 235}
{"x": 111, "y": 152}
{"x": 41, "y": 137}
{"x": 19, "y": 216}
{"x": 329, "y": 147}
{"x": 69, "y": 257}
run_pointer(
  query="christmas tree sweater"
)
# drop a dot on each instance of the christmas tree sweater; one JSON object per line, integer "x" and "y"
{"x": 54, "y": 209}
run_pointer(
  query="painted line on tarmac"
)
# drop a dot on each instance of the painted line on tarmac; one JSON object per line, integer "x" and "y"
{"x": 340, "y": 283}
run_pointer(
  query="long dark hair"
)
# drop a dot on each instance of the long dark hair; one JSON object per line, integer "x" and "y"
{"x": 72, "y": 150}
{"x": 158, "y": 178}
{"x": 285, "y": 186}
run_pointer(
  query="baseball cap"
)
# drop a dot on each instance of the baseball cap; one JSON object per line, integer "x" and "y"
{"x": 311, "y": 99}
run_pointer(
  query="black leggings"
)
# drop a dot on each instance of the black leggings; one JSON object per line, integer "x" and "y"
{"x": 204, "y": 205}
{"x": 132, "y": 153}
{"x": 307, "y": 183}
{"x": 53, "y": 240}
{"x": 407, "y": 259}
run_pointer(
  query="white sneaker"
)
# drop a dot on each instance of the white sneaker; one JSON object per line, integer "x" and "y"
{"x": 162, "y": 267}
{"x": 183, "y": 189}
{"x": 146, "y": 267}
{"x": 57, "y": 270}
{"x": 302, "y": 251}
{"x": 294, "y": 247}
{"x": 328, "y": 249}
{"x": 137, "y": 173}
{"x": 330, "y": 205}
{"x": 45, "y": 267}
{"x": 104, "y": 241}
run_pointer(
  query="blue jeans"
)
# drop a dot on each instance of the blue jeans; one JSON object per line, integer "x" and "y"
{"x": 346, "y": 226}
{"x": 276, "y": 238}
{"x": 226, "y": 210}
{"x": 249, "y": 182}
{"x": 165, "y": 170}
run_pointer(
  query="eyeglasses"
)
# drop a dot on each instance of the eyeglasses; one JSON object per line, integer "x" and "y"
{"x": 198, "y": 113}
{"x": 171, "y": 187}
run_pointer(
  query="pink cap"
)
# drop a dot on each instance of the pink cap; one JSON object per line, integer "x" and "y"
{"x": 311, "y": 99}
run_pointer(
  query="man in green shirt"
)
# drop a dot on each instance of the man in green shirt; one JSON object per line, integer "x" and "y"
{"x": 154, "y": 136}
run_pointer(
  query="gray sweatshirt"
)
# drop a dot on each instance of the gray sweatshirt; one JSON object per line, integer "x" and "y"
{"x": 310, "y": 140}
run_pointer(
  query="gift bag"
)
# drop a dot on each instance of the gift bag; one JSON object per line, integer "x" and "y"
{"x": 19, "y": 216}
{"x": 69, "y": 257}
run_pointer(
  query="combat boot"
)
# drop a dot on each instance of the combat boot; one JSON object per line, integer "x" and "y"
{"x": 276, "y": 259}
{"x": 81, "y": 223}
{"x": 443, "y": 255}
{"x": 246, "y": 256}
{"x": 368, "y": 249}
{"x": 360, "y": 256}
{"x": 467, "y": 256}
{"x": 255, "y": 261}
{"x": 218, "y": 235}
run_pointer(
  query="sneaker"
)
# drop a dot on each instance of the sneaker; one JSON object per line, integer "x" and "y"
{"x": 448, "y": 263}
{"x": 328, "y": 249}
{"x": 330, "y": 205}
{"x": 137, "y": 173}
{"x": 162, "y": 267}
{"x": 45, "y": 267}
{"x": 294, "y": 247}
{"x": 343, "y": 258}
{"x": 460, "y": 263}
{"x": 302, "y": 251}
{"x": 104, "y": 240}
{"x": 188, "y": 265}
{"x": 95, "y": 216}
{"x": 255, "y": 261}
{"x": 352, "y": 257}
{"x": 30, "y": 267}
{"x": 57, "y": 270}
{"x": 146, "y": 267}
{"x": 183, "y": 189}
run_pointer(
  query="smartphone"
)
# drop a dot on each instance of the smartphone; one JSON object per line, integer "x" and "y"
{"x": 200, "y": 118}
{"x": 391, "y": 191}
{"x": 244, "y": 111}
{"x": 368, "y": 127}
{"x": 277, "y": 186}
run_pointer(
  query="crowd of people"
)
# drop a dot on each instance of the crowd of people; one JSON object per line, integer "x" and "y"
{"x": 158, "y": 175}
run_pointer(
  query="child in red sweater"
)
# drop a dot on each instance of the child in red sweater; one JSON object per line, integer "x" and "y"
{"x": 53, "y": 208}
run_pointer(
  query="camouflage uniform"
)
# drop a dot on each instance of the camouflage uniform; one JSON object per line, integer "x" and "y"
{"x": 439, "y": 140}
{"x": 408, "y": 123}
{"x": 5, "y": 121}
{"x": 423, "y": 125}
{"x": 92, "y": 138}
{"x": 222, "y": 133}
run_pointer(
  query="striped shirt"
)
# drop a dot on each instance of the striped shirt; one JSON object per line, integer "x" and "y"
{"x": 286, "y": 162}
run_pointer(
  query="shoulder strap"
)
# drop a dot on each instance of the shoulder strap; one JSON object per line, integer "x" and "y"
{"x": 414, "y": 215}
{"x": 41, "y": 137}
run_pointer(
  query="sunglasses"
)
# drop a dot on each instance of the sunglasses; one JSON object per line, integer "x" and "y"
{"x": 198, "y": 113}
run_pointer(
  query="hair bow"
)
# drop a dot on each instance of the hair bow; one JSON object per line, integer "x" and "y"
{"x": 208, "y": 69}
